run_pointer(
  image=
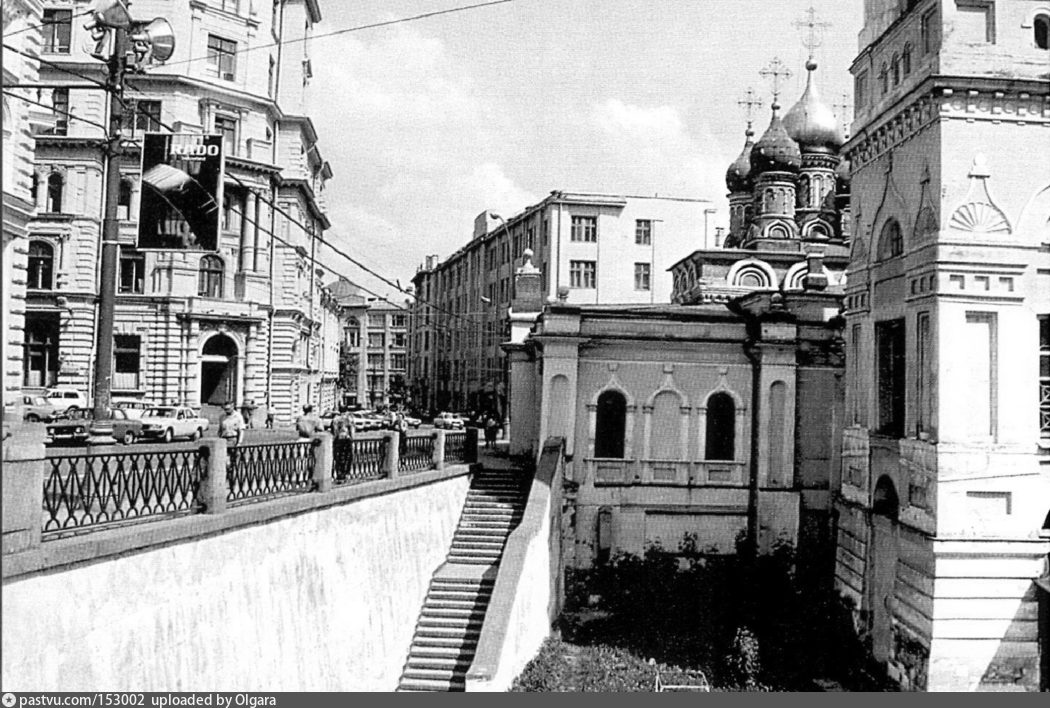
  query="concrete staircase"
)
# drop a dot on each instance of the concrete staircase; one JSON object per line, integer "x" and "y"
{"x": 454, "y": 609}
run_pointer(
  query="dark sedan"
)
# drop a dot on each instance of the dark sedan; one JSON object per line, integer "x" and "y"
{"x": 76, "y": 427}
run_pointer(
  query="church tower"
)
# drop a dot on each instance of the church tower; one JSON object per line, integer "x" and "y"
{"x": 943, "y": 508}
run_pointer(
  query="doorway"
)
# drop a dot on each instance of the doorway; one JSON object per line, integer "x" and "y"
{"x": 218, "y": 371}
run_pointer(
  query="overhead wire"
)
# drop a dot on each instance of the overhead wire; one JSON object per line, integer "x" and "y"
{"x": 67, "y": 114}
{"x": 55, "y": 65}
{"x": 45, "y": 23}
{"x": 347, "y": 30}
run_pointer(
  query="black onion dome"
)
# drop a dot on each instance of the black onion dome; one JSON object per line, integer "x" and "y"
{"x": 775, "y": 151}
{"x": 738, "y": 176}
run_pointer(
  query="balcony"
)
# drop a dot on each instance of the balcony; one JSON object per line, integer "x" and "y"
{"x": 608, "y": 472}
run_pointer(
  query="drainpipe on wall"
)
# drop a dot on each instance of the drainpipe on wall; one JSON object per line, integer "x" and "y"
{"x": 754, "y": 356}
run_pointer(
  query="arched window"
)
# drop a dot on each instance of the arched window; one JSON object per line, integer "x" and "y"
{"x": 124, "y": 200}
{"x": 210, "y": 281}
{"x": 884, "y": 79}
{"x": 41, "y": 266}
{"x": 55, "y": 186}
{"x": 611, "y": 425}
{"x": 721, "y": 428}
{"x": 891, "y": 240}
{"x": 906, "y": 59}
{"x": 896, "y": 64}
{"x": 1041, "y": 31}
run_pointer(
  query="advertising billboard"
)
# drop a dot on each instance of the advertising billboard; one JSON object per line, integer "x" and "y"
{"x": 179, "y": 208}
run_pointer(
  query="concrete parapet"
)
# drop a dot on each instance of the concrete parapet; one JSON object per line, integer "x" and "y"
{"x": 323, "y": 460}
{"x": 392, "y": 465}
{"x": 24, "y": 470}
{"x": 214, "y": 486}
{"x": 439, "y": 449}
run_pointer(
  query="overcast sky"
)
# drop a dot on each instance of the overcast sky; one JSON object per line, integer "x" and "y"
{"x": 428, "y": 123}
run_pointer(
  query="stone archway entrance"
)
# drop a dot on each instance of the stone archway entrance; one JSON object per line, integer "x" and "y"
{"x": 219, "y": 371}
{"x": 882, "y": 567}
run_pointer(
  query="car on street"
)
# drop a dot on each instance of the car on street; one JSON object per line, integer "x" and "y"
{"x": 361, "y": 422}
{"x": 413, "y": 422}
{"x": 77, "y": 426}
{"x": 449, "y": 421}
{"x": 64, "y": 398}
{"x": 134, "y": 407}
{"x": 38, "y": 409}
{"x": 170, "y": 422}
{"x": 327, "y": 417}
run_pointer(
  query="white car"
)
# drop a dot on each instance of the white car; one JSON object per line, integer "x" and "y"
{"x": 170, "y": 422}
{"x": 65, "y": 399}
{"x": 361, "y": 422}
{"x": 450, "y": 421}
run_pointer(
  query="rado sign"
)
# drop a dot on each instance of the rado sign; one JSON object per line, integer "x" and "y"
{"x": 182, "y": 178}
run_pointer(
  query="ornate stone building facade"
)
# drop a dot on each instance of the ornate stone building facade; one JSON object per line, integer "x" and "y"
{"x": 946, "y": 472}
{"x": 21, "y": 20}
{"x": 252, "y": 322}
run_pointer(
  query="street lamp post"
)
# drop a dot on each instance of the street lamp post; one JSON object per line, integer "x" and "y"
{"x": 118, "y": 41}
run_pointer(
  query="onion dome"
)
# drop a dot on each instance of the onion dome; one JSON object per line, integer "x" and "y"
{"x": 738, "y": 176}
{"x": 811, "y": 123}
{"x": 775, "y": 151}
{"x": 842, "y": 177}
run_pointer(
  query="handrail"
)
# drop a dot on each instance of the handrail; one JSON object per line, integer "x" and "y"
{"x": 499, "y": 657}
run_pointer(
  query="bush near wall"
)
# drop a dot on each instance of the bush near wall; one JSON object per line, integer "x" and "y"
{"x": 750, "y": 623}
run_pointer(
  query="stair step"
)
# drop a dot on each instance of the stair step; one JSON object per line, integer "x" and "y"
{"x": 471, "y": 560}
{"x": 437, "y": 633}
{"x": 456, "y": 613}
{"x": 449, "y": 648}
{"x": 424, "y": 684}
{"x": 438, "y": 663}
{"x": 460, "y": 623}
{"x": 465, "y": 542}
{"x": 456, "y": 603}
{"x": 461, "y": 585}
{"x": 454, "y": 594}
{"x": 441, "y": 674}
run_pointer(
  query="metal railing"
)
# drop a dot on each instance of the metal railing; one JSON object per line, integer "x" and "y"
{"x": 358, "y": 460}
{"x": 96, "y": 489}
{"x": 455, "y": 447}
{"x": 269, "y": 469}
{"x": 417, "y": 453}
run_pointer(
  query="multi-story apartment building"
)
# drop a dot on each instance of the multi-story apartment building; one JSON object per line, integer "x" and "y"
{"x": 943, "y": 507}
{"x": 602, "y": 248}
{"x": 252, "y": 321}
{"x": 21, "y": 23}
{"x": 375, "y": 349}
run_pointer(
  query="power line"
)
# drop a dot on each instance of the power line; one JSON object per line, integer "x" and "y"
{"x": 52, "y": 64}
{"x": 347, "y": 30}
{"x": 47, "y": 23}
{"x": 54, "y": 110}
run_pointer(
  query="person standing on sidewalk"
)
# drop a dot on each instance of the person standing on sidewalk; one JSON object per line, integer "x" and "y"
{"x": 308, "y": 424}
{"x": 231, "y": 425}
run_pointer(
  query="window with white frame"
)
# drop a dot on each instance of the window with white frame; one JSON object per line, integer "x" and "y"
{"x": 222, "y": 57}
{"x": 642, "y": 276}
{"x": 585, "y": 229}
{"x": 57, "y": 30}
{"x": 132, "y": 272}
{"x": 643, "y": 232}
{"x": 226, "y": 126}
{"x": 583, "y": 274}
{"x": 127, "y": 361}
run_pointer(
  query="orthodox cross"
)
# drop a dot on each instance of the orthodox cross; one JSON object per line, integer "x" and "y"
{"x": 750, "y": 103}
{"x": 776, "y": 71}
{"x": 814, "y": 30}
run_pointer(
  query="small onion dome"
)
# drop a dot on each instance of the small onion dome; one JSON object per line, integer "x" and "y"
{"x": 811, "y": 123}
{"x": 775, "y": 151}
{"x": 738, "y": 176}
{"x": 842, "y": 177}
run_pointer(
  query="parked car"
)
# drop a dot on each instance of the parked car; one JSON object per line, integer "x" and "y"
{"x": 361, "y": 422}
{"x": 76, "y": 427}
{"x": 327, "y": 417}
{"x": 65, "y": 399}
{"x": 170, "y": 422}
{"x": 413, "y": 422}
{"x": 450, "y": 421}
{"x": 134, "y": 407}
{"x": 38, "y": 409}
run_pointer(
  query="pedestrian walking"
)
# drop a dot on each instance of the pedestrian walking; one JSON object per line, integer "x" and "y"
{"x": 308, "y": 424}
{"x": 401, "y": 426}
{"x": 231, "y": 425}
{"x": 271, "y": 414}
{"x": 491, "y": 429}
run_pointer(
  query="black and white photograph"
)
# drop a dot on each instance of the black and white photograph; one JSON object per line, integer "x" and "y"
{"x": 560, "y": 346}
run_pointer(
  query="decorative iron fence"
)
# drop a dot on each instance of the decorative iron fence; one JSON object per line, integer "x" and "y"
{"x": 358, "y": 460}
{"x": 110, "y": 488}
{"x": 269, "y": 469}
{"x": 455, "y": 447}
{"x": 417, "y": 453}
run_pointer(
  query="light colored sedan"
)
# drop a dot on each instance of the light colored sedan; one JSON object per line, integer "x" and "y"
{"x": 170, "y": 422}
{"x": 450, "y": 421}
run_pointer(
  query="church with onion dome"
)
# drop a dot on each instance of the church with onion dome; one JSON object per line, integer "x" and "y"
{"x": 788, "y": 210}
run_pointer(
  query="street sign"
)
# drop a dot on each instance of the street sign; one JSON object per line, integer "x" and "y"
{"x": 182, "y": 176}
